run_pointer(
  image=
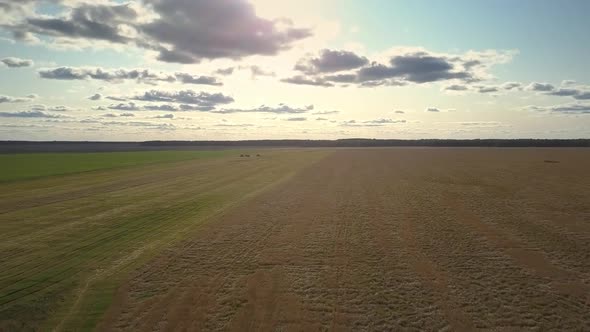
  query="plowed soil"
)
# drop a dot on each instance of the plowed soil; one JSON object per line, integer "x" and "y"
{"x": 385, "y": 239}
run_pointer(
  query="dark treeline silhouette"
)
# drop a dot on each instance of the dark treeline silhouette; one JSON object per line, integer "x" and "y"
{"x": 77, "y": 146}
{"x": 361, "y": 142}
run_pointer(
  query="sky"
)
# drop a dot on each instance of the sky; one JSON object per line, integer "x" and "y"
{"x": 117, "y": 70}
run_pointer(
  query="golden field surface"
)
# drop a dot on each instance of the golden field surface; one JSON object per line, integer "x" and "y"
{"x": 412, "y": 239}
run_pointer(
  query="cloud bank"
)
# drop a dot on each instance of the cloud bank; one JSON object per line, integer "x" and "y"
{"x": 403, "y": 66}
{"x": 119, "y": 75}
{"x": 17, "y": 62}
{"x": 179, "y": 31}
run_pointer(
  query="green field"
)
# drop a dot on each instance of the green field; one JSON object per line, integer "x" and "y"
{"x": 72, "y": 226}
{"x": 32, "y": 165}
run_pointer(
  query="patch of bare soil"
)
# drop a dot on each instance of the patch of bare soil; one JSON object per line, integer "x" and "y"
{"x": 386, "y": 239}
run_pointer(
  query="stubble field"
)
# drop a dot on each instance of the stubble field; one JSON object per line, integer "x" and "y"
{"x": 358, "y": 239}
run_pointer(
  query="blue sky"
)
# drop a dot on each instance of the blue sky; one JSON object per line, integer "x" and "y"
{"x": 294, "y": 69}
{"x": 552, "y": 36}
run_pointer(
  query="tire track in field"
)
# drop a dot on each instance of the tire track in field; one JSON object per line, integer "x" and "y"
{"x": 530, "y": 257}
{"x": 185, "y": 202}
{"x": 436, "y": 278}
{"x": 106, "y": 183}
{"x": 539, "y": 220}
{"x": 24, "y": 190}
{"x": 218, "y": 283}
{"x": 72, "y": 255}
{"x": 484, "y": 264}
{"x": 314, "y": 256}
{"x": 367, "y": 240}
{"x": 209, "y": 187}
{"x": 135, "y": 254}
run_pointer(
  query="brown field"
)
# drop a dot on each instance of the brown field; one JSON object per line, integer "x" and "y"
{"x": 385, "y": 239}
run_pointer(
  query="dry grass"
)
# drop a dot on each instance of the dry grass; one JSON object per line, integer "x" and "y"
{"x": 68, "y": 241}
{"x": 386, "y": 239}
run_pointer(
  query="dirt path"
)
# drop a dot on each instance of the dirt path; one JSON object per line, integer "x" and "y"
{"x": 392, "y": 239}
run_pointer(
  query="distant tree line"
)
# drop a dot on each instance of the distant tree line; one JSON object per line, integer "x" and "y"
{"x": 361, "y": 142}
{"x": 80, "y": 146}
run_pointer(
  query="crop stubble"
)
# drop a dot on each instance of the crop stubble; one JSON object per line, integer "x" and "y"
{"x": 67, "y": 240}
{"x": 385, "y": 239}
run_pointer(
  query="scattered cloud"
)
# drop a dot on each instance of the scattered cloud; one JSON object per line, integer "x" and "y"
{"x": 456, "y": 87}
{"x": 256, "y": 71}
{"x": 125, "y": 107}
{"x": 116, "y": 98}
{"x": 564, "y": 92}
{"x": 189, "y": 100}
{"x": 508, "y": 86}
{"x": 225, "y": 71}
{"x": 354, "y": 123}
{"x": 419, "y": 67}
{"x": 190, "y": 79}
{"x": 571, "y": 108}
{"x": 41, "y": 107}
{"x": 203, "y": 108}
{"x": 487, "y": 89}
{"x": 119, "y": 75}
{"x": 330, "y": 61}
{"x": 165, "y": 107}
{"x": 113, "y": 115}
{"x": 143, "y": 124}
{"x": 578, "y": 92}
{"x": 370, "y": 123}
{"x": 325, "y": 112}
{"x": 89, "y": 120}
{"x": 93, "y": 22}
{"x": 281, "y": 109}
{"x": 113, "y": 76}
{"x": 568, "y": 82}
{"x": 402, "y": 66}
{"x": 201, "y": 29}
{"x": 30, "y": 114}
{"x": 302, "y": 80}
{"x": 536, "y": 86}
{"x": 511, "y": 86}
{"x": 384, "y": 121}
{"x": 17, "y": 62}
{"x": 189, "y": 97}
{"x": 341, "y": 78}
{"x": 179, "y": 31}
{"x": 190, "y": 32}
{"x": 164, "y": 116}
{"x": 240, "y": 125}
{"x": 9, "y": 99}
{"x": 482, "y": 124}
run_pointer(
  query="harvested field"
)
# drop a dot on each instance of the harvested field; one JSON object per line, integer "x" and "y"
{"x": 67, "y": 241}
{"x": 358, "y": 239}
{"x": 388, "y": 239}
